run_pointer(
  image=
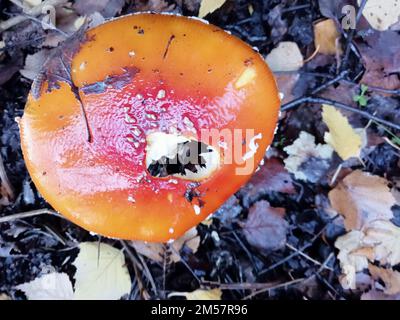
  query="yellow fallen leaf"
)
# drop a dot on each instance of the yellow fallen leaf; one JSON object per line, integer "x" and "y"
{"x": 381, "y": 14}
{"x": 209, "y": 6}
{"x": 213, "y": 294}
{"x": 341, "y": 136}
{"x": 101, "y": 273}
{"x": 326, "y": 35}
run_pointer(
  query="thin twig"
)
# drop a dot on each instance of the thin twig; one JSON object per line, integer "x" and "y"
{"x": 184, "y": 263}
{"x": 136, "y": 268}
{"x": 302, "y": 249}
{"x": 393, "y": 145}
{"x": 330, "y": 82}
{"x": 278, "y": 286}
{"x": 306, "y": 256}
{"x": 130, "y": 254}
{"x": 148, "y": 274}
{"x": 238, "y": 286}
{"x": 29, "y": 214}
{"x": 318, "y": 100}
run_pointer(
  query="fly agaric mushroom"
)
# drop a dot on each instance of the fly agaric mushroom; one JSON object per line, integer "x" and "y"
{"x": 109, "y": 122}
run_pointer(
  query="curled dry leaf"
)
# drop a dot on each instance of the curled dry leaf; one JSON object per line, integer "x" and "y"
{"x": 101, "y": 273}
{"x": 285, "y": 57}
{"x": 390, "y": 278}
{"x": 156, "y": 251}
{"x": 51, "y": 286}
{"x": 34, "y": 63}
{"x": 350, "y": 261}
{"x": 326, "y": 37}
{"x": 362, "y": 198}
{"x": 307, "y": 161}
{"x": 265, "y": 227}
{"x": 346, "y": 141}
{"x": 384, "y": 236}
{"x": 209, "y": 6}
{"x": 380, "y": 242}
{"x": 381, "y": 15}
{"x": 213, "y": 294}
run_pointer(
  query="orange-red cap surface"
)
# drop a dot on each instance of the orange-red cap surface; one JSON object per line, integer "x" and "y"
{"x": 88, "y": 115}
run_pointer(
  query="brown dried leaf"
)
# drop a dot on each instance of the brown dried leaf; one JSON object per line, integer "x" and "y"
{"x": 326, "y": 37}
{"x": 286, "y": 83}
{"x": 381, "y": 55}
{"x": 384, "y": 236}
{"x": 265, "y": 227}
{"x": 390, "y": 278}
{"x": 273, "y": 176}
{"x": 362, "y": 198}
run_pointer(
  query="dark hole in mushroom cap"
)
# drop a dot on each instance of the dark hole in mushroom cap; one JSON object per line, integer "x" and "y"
{"x": 188, "y": 157}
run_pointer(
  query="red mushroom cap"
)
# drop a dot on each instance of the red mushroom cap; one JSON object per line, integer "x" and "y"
{"x": 122, "y": 92}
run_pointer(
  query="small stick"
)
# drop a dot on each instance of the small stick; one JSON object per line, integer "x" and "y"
{"x": 29, "y": 214}
{"x": 281, "y": 285}
{"x": 301, "y": 253}
{"x": 318, "y": 100}
{"x": 391, "y": 143}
